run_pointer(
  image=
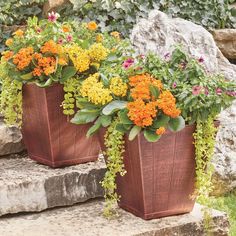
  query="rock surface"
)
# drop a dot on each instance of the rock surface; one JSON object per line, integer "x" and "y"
{"x": 224, "y": 161}
{"x": 226, "y": 41}
{"x": 160, "y": 33}
{"x": 87, "y": 220}
{"x": 51, "y": 5}
{"x": 10, "y": 139}
{"x": 26, "y": 186}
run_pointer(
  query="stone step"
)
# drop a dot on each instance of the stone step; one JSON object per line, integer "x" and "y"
{"x": 26, "y": 186}
{"x": 87, "y": 220}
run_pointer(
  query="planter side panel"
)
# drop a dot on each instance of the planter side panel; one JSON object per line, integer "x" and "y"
{"x": 49, "y": 136}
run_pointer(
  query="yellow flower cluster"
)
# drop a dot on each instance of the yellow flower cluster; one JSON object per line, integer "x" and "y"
{"x": 79, "y": 57}
{"x": 118, "y": 87}
{"x": 98, "y": 52}
{"x": 95, "y": 91}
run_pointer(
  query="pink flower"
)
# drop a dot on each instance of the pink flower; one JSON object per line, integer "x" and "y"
{"x": 183, "y": 65}
{"x": 219, "y": 91}
{"x": 69, "y": 38}
{"x": 201, "y": 59}
{"x": 206, "y": 91}
{"x": 39, "y": 30}
{"x": 174, "y": 85}
{"x": 141, "y": 56}
{"x": 60, "y": 41}
{"x": 127, "y": 63}
{"x": 196, "y": 90}
{"x": 53, "y": 16}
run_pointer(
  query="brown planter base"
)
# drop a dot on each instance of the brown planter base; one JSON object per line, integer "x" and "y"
{"x": 47, "y": 133}
{"x": 160, "y": 176}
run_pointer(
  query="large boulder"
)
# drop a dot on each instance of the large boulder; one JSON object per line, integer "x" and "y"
{"x": 159, "y": 34}
{"x": 226, "y": 41}
{"x": 10, "y": 139}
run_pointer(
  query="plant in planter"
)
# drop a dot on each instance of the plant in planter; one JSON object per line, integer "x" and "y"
{"x": 45, "y": 63}
{"x": 154, "y": 169}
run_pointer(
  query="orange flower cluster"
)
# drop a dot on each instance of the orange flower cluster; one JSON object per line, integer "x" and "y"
{"x": 51, "y": 47}
{"x": 23, "y": 58}
{"x": 166, "y": 103}
{"x": 140, "y": 113}
{"x": 7, "y": 55}
{"x": 92, "y": 25}
{"x": 45, "y": 65}
{"x": 141, "y": 86}
{"x": 160, "y": 131}
{"x": 143, "y": 109}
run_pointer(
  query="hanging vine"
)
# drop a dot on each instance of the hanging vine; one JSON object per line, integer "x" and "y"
{"x": 114, "y": 142}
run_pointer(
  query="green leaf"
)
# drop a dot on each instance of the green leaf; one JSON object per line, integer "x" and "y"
{"x": 120, "y": 127}
{"x": 154, "y": 91}
{"x": 27, "y": 76}
{"x": 176, "y": 124}
{"x": 104, "y": 79}
{"x": 105, "y": 121}
{"x": 161, "y": 121}
{"x": 45, "y": 84}
{"x": 123, "y": 115}
{"x": 114, "y": 106}
{"x": 93, "y": 129}
{"x": 151, "y": 136}
{"x": 67, "y": 73}
{"x": 85, "y": 116}
{"x": 134, "y": 132}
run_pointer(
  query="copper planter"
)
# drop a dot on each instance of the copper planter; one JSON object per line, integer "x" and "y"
{"x": 47, "y": 133}
{"x": 160, "y": 176}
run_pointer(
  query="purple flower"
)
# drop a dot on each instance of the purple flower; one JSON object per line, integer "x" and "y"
{"x": 182, "y": 65}
{"x": 174, "y": 85}
{"x": 231, "y": 93}
{"x": 167, "y": 55}
{"x": 69, "y": 38}
{"x": 53, "y": 16}
{"x": 196, "y": 90}
{"x": 128, "y": 62}
{"x": 201, "y": 59}
{"x": 219, "y": 91}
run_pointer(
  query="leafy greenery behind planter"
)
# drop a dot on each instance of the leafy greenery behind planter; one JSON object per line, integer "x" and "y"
{"x": 121, "y": 15}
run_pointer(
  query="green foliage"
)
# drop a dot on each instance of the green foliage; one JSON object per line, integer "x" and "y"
{"x": 114, "y": 143}
{"x": 10, "y": 99}
{"x": 198, "y": 94}
{"x": 71, "y": 91}
{"x": 226, "y": 204}
{"x": 15, "y": 12}
{"x": 204, "y": 137}
{"x": 121, "y": 15}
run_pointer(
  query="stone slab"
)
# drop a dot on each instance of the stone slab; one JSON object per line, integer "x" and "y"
{"x": 26, "y": 186}
{"x": 87, "y": 220}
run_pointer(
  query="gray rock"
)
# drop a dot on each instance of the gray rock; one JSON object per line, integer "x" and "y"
{"x": 87, "y": 220}
{"x": 26, "y": 186}
{"x": 10, "y": 139}
{"x": 160, "y": 33}
{"x": 224, "y": 160}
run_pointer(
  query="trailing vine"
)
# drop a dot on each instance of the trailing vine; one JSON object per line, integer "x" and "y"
{"x": 11, "y": 101}
{"x": 204, "y": 148}
{"x": 114, "y": 142}
{"x": 71, "y": 91}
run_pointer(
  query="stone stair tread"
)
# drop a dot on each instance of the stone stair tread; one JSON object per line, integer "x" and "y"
{"x": 28, "y": 186}
{"x": 87, "y": 220}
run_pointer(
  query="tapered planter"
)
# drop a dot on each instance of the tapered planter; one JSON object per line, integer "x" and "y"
{"x": 160, "y": 176}
{"x": 47, "y": 133}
